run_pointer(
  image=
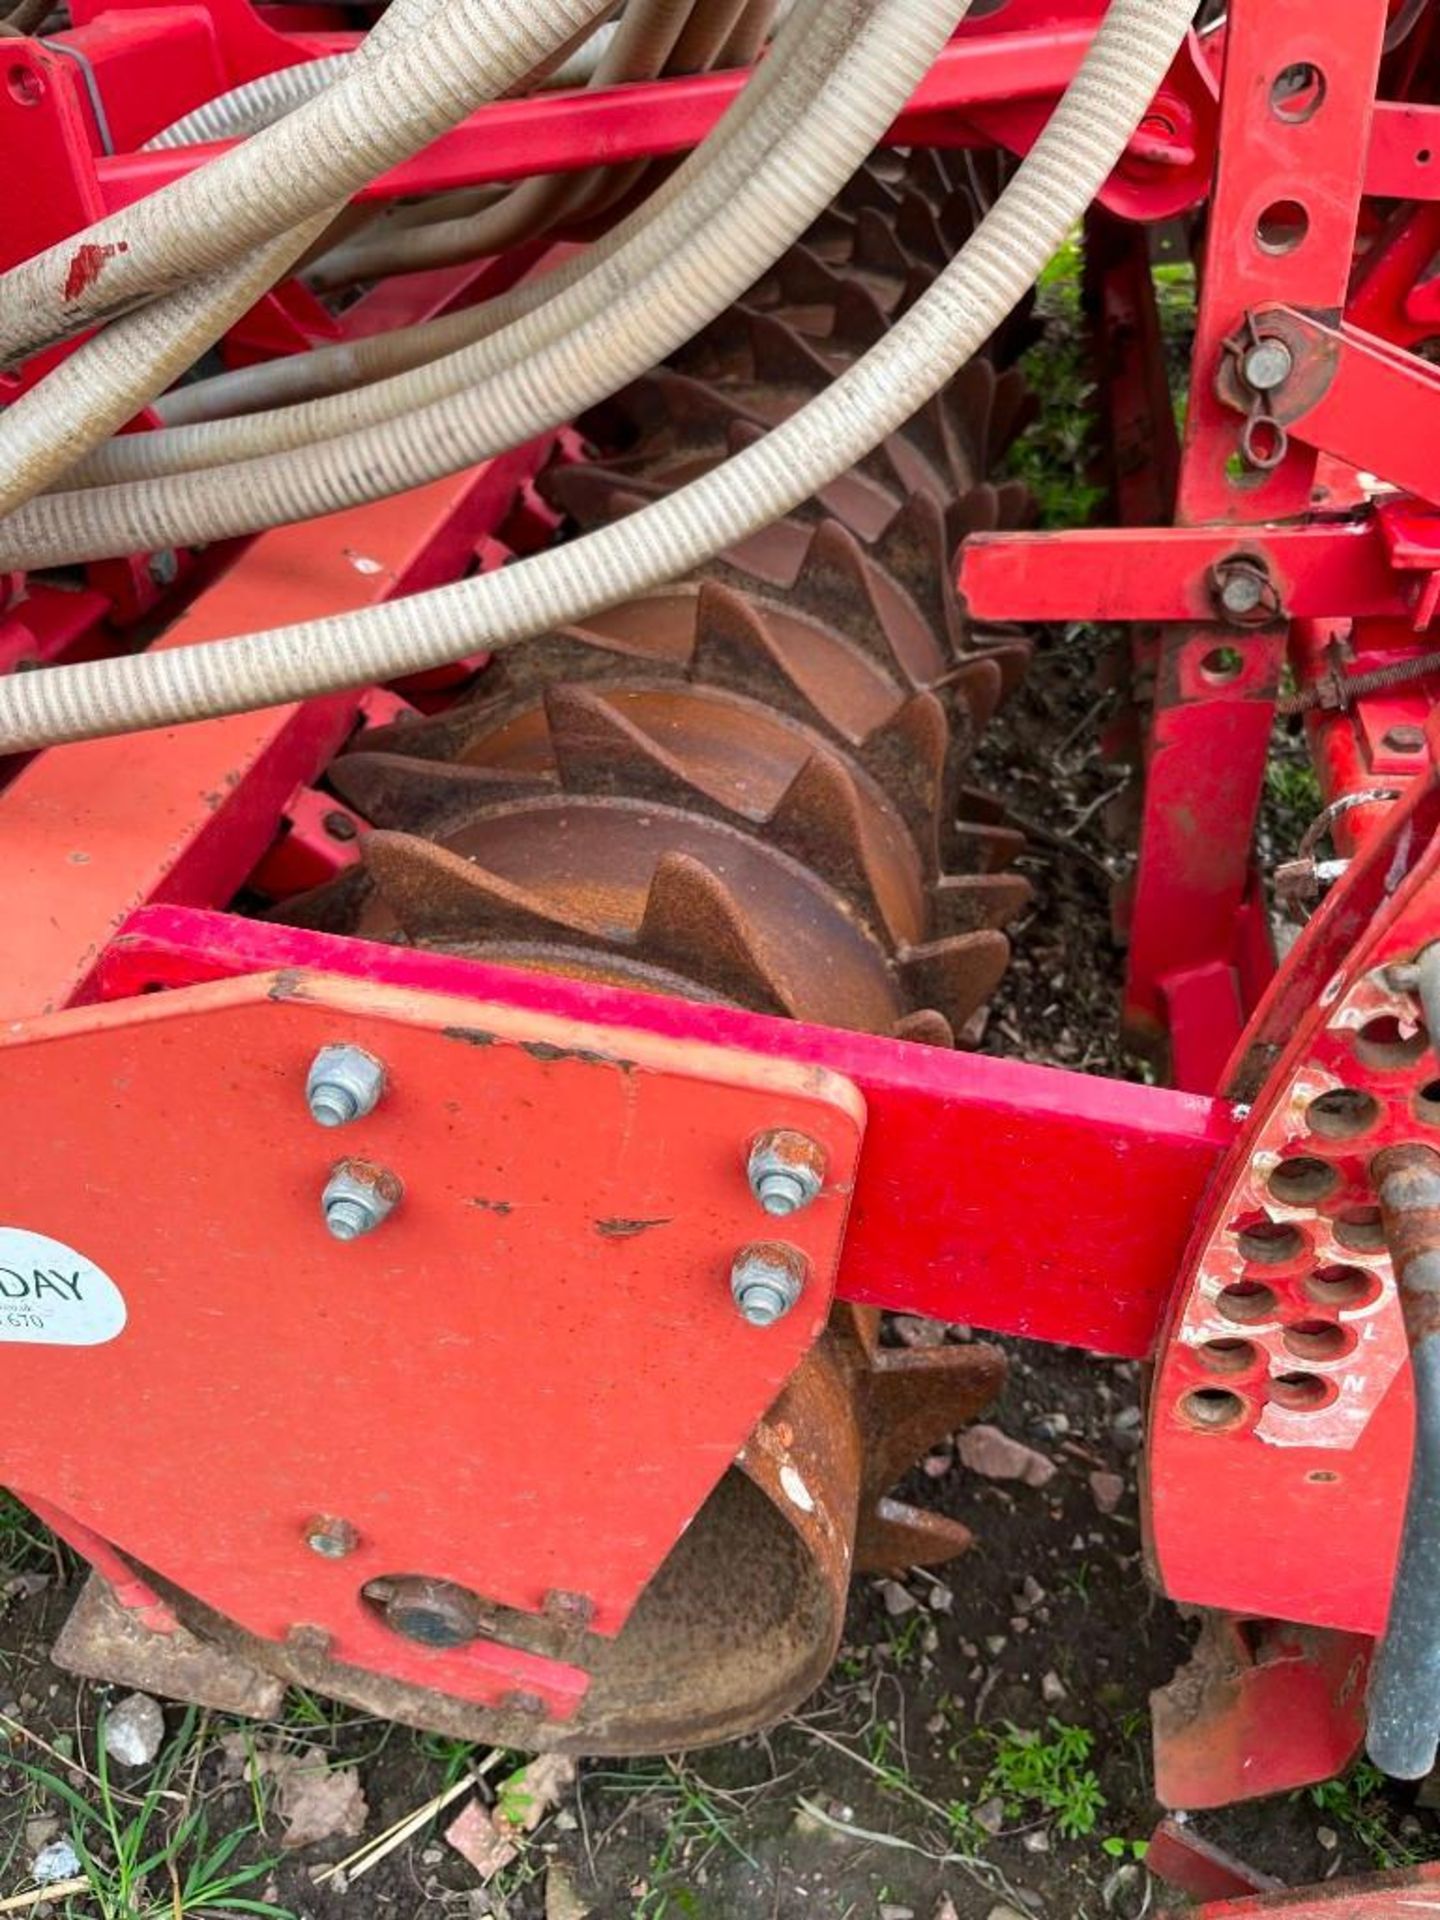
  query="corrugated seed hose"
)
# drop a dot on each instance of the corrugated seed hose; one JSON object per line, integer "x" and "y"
{"x": 652, "y": 233}
{"x": 648, "y": 31}
{"x": 104, "y": 383}
{"x": 838, "y": 81}
{"x": 338, "y": 368}
{"x": 377, "y": 114}
{"x": 108, "y": 378}
{"x": 960, "y": 310}
{"x": 333, "y": 369}
{"x": 260, "y": 102}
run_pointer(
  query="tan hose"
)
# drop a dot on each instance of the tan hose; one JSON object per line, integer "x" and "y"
{"x": 260, "y": 102}
{"x": 696, "y": 51}
{"x": 647, "y": 31}
{"x": 752, "y": 29}
{"x": 686, "y": 207}
{"x": 374, "y": 116}
{"x": 1051, "y": 190}
{"x": 252, "y": 105}
{"x": 110, "y": 377}
{"x": 335, "y": 369}
{"x": 840, "y": 107}
{"x": 25, "y": 19}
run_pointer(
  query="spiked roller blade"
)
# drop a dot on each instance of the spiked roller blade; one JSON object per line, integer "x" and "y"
{"x": 747, "y": 787}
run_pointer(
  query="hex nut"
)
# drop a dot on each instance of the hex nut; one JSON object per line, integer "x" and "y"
{"x": 433, "y": 1613}
{"x": 786, "y": 1170}
{"x": 766, "y": 1280}
{"x": 344, "y": 1084}
{"x": 357, "y": 1197}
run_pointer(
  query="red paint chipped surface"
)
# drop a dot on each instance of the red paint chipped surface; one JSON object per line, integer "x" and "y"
{"x": 86, "y": 267}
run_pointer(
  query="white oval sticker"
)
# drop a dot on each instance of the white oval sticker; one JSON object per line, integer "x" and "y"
{"x": 53, "y": 1296}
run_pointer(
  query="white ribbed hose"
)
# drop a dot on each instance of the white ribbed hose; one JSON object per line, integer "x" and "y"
{"x": 109, "y": 377}
{"x": 841, "y": 106}
{"x": 679, "y": 221}
{"x": 335, "y": 369}
{"x": 374, "y": 116}
{"x": 646, "y": 36}
{"x": 252, "y": 105}
{"x": 957, "y": 313}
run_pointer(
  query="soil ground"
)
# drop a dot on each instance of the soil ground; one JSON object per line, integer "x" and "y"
{"x": 982, "y": 1744}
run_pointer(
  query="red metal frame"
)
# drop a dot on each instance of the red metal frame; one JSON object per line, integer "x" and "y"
{"x": 1035, "y": 1202}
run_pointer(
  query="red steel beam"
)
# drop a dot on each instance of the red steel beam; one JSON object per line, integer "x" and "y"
{"x": 1407, "y": 1895}
{"x": 1362, "y": 399}
{"x": 95, "y": 830}
{"x": 556, "y": 133}
{"x": 1023, "y": 1199}
{"x": 1319, "y": 571}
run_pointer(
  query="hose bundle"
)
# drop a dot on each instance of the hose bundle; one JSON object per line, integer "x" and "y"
{"x": 871, "y": 43}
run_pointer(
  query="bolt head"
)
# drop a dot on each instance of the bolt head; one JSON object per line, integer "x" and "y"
{"x": 357, "y": 1197}
{"x": 766, "y": 1280}
{"x": 786, "y": 1170}
{"x": 1241, "y": 591}
{"x": 344, "y": 1084}
{"x": 1267, "y": 365}
{"x": 434, "y": 1613}
{"x": 331, "y": 1537}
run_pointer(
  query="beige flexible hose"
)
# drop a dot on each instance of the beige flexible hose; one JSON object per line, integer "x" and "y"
{"x": 335, "y": 369}
{"x": 1051, "y": 190}
{"x": 110, "y": 377}
{"x": 252, "y": 105}
{"x": 755, "y": 189}
{"x": 25, "y": 19}
{"x": 502, "y": 333}
{"x": 705, "y": 37}
{"x": 646, "y": 34}
{"x": 696, "y": 51}
{"x": 848, "y": 75}
{"x": 375, "y": 115}
{"x": 757, "y": 21}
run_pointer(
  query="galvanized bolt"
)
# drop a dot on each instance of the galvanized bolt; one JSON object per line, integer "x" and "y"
{"x": 766, "y": 1280}
{"x": 163, "y": 567}
{"x": 330, "y": 1537}
{"x": 1243, "y": 590}
{"x": 357, "y": 1197}
{"x": 343, "y": 1084}
{"x": 1267, "y": 365}
{"x": 786, "y": 1170}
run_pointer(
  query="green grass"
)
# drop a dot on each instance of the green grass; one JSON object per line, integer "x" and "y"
{"x": 1292, "y": 789}
{"x": 1047, "y": 1774}
{"x": 1053, "y": 455}
{"x": 151, "y": 1854}
{"x": 1355, "y": 1803}
{"x": 24, "y": 1544}
{"x": 697, "y": 1826}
